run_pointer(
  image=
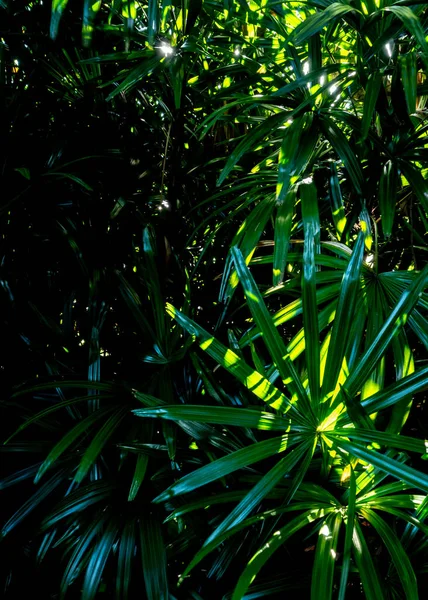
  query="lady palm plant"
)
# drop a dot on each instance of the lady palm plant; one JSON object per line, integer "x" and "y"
{"x": 310, "y": 117}
{"x": 334, "y": 410}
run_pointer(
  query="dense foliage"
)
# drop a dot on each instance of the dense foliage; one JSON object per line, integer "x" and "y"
{"x": 214, "y": 223}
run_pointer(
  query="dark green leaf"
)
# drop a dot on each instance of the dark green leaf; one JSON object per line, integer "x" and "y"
{"x": 228, "y": 464}
{"x": 97, "y": 561}
{"x": 125, "y": 559}
{"x": 154, "y": 559}
{"x": 344, "y": 314}
{"x": 350, "y": 517}
{"x": 325, "y": 555}
{"x": 266, "y": 551}
{"x": 412, "y": 23}
{"x": 372, "y": 92}
{"x": 58, "y": 7}
{"x": 70, "y": 437}
{"x": 408, "y": 64}
{"x": 316, "y": 22}
{"x": 388, "y": 186}
{"x": 41, "y": 493}
{"x": 271, "y": 337}
{"x": 398, "y": 554}
{"x": 283, "y": 225}
{"x": 385, "y": 464}
{"x": 341, "y": 145}
{"x": 369, "y": 577}
{"x": 260, "y": 490}
{"x": 139, "y": 473}
{"x": 222, "y": 415}
{"x": 255, "y": 382}
{"x": 98, "y": 442}
{"x": 311, "y": 226}
{"x": 393, "y": 323}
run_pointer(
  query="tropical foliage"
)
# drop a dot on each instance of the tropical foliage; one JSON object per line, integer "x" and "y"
{"x": 214, "y": 224}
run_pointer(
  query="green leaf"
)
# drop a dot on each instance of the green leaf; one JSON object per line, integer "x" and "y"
{"x": 260, "y": 517}
{"x": 375, "y": 319}
{"x": 412, "y": 528}
{"x": 152, "y": 20}
{"x": 311, "y": 228}
{"x": 303, "y": 492}
{"x": 97, "y": 561}
{"x": 246, "y": 239}
{"x": 221, "y": 415}
{"x": 78, "y": 501}
{"x": 228, "y": 464}
{"x": 295, "y": 308}
{"x": 408, "y": 68}
{"x": 147, "y": 399}
{"x": 153, "y": 284}
{"x": 116, "y": 57}
{"x": 316, "y": 22}
{"x": 209, "y": 501}
{"x": 399, "y": 556}
{"x": 209, "y": 381}
{"x": 253, "y": 498}
{"x": 340, "y": 144}
{"x": 153, "y": 559}
{"x": 169, "y": 430}
{"x": 325, "y": 554}
{"x": 19, "y": 476}
{"x": 282, "y": 234}
{"x": 253, "y": 381}
{"x": 412, "y": 23}
{"x": 300, "y": 473}
{"x": 24, "y": 172}
{"x": 394, "y": 393}
{"x": 47, "y": 411}
{"x": 70, "y": 437}
{"x": 374, "y": 83}
{"x": 349, "y": 292}
{"x": 125, "y": 559}
{"x": 145, "y": 68}
{"x": 98, "y": 442}
{"x": 391, "y": 440}
{"x": 41, "y": 493}
{"x": 90, "y": 10}
{"x": 271, "y": 337}
{"x": 349, "y": 533}
{"x": 58, "y": 7}
{"x": 357, "y": 412}
{"x": 71, "y": 177}
{"x": 417, "y": 182}
{"x": 296, "y": 148}
{"x": 139, "y": 473}
{"x": 266, "y": 551}
{"x": 384, "y": 463}
{"x": 369, "y": 577}
{"x": 395, "y": 284}
{"x": 371, "y": 477}
{"x": 388, "y": 186}
{"x": 134, "y": 304}
{"x": 67, "y": 384}
{"x": 393, "y": 323}
{"x": 250, "y": 140}
{"x": 403, "y": 516}
{"x": 260, "y": 367}
{"x": 338, "y": 209}
{"x": 77, "y": 560}
{"x": 404, "y": 365}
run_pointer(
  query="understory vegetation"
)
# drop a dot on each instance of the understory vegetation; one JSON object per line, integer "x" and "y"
{"x": 214, "y": 292}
